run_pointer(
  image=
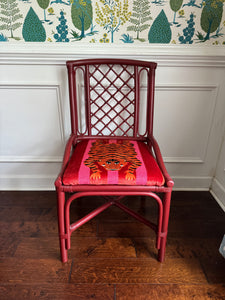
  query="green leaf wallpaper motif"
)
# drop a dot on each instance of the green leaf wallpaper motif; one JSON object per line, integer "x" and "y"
{"x": 44, "y": 4}
{"x": 188, "y": 32}
{"x": 33, "y": 30}
{"x": 175, "y": 6}
{"x": 140, "y": 17}
{"x": 112, "y": 14}
{"x": 62, "y": 29}
{"x": 10, "y": 16}
{"x": 160, "y": 31}
{"x": 82, "y": 16}
{"x": 134, "y": 22}
{"x": 211, "y": 17}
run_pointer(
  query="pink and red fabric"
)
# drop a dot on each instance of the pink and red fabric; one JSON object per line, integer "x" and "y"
{"x": 77, "y": 173}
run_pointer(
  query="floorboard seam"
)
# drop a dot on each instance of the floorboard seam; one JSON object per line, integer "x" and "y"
{"x": 204, "y": 272}
{"x": 114, "y": 292}
{"x": 71, "y": 268}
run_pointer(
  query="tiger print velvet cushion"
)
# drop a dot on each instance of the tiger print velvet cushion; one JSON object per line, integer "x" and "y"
{"x": 112, "y": 162}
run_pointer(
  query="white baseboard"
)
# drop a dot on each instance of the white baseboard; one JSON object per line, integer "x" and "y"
{"x": 46, "y": 183}
{"x": 218, "y": 192}
{"x": 183, "y": 183}
{"x": 27, "y": 183}
{"x": 39, "y": 183}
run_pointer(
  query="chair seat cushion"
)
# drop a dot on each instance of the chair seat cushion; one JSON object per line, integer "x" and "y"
{"x": 121, "y": 162}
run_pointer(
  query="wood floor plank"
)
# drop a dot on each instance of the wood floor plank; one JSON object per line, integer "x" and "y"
{"x": 114, "y": 213}
{"x": 112, "y": 256}
{"x": 196, "y": 228}
{"x": 102, "y": 248}
{"x": 146, "y": 247}
{"x": 29, "y": 228}
{"x": 214, "y": 269}
{"x": 116, "y": 271}
{"x": 180, "y": 248}
{"x": 124, "y": 229}
{"x": 26, "y": 228}
{"x": 81, "y": 247}
{"x": 18, "y": 271}
{"x": 28, "y": 198}
{"x": 38, "y": 248}
{"x": 170, "y": 292}
{"x": 32, "y": 214}
{"x": 8, "y": 245}
{"x": 198, "y": 213}
{"x": 57, "y": 291}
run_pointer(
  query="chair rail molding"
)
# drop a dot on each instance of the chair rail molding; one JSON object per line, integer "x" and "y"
{"x": 165, "y": 55}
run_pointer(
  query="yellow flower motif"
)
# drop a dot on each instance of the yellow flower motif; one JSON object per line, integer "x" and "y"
{"x": 49, "y": 40}
{"x": 181, "y": 12}
{"x": 82, "y": 2}
{"x": 51, "y": 10}
{"x": 105, "y": 35}
{"x": 101, "y": 41}
{"x": 173, "y": 42}
{"x": 214, "y": 5}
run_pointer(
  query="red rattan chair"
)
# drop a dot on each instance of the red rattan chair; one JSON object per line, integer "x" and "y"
{"x": 111, "y": 151}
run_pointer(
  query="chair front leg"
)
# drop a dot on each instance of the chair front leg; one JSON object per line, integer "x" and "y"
{"x": 164, "y": 230}
{"x": 61, "y": 225}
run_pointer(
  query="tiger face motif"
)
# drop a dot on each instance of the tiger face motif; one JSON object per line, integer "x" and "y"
{"x": 112, "y": 157}
{"x": 113, "y": 164}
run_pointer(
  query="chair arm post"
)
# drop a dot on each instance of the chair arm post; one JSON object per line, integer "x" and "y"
{"x": 66, "y": 157}
{"x": 68, "y": 149}
{"x": 152, "y": 141}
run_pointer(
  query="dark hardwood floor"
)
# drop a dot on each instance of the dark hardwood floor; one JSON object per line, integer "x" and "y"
{"x": 112, "y": 256}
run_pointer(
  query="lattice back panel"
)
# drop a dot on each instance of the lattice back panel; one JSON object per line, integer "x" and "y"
{"x": 113, "y": 99}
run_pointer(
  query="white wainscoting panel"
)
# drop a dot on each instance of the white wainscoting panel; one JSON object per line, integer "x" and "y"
{"x": 32, "y": 135}
{"x": 31, "y": 123}
{"x": 34, "y": 112}
{"x": 180, "y": 127}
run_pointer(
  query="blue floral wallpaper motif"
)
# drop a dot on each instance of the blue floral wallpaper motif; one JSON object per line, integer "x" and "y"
{"x": 113, "y": 21}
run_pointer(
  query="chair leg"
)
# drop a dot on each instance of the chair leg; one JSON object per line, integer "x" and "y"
{"x": 165, "y": 221}
{"x": 162, "y": 250}
{"x": 61, "y": 226}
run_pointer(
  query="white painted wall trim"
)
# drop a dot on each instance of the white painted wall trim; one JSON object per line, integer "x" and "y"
{"x": 30, "y": 159}
{"x": 192, "y": 183}
{"x": 46, "y": 182}
{"x": 165, "y": 55}
{"x": 27, "y": 183}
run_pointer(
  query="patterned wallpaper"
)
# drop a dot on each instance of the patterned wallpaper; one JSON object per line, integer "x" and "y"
{"x": 113, "y": 21}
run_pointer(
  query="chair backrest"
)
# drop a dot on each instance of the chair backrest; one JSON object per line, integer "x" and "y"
{"x": 111, "y": 97}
